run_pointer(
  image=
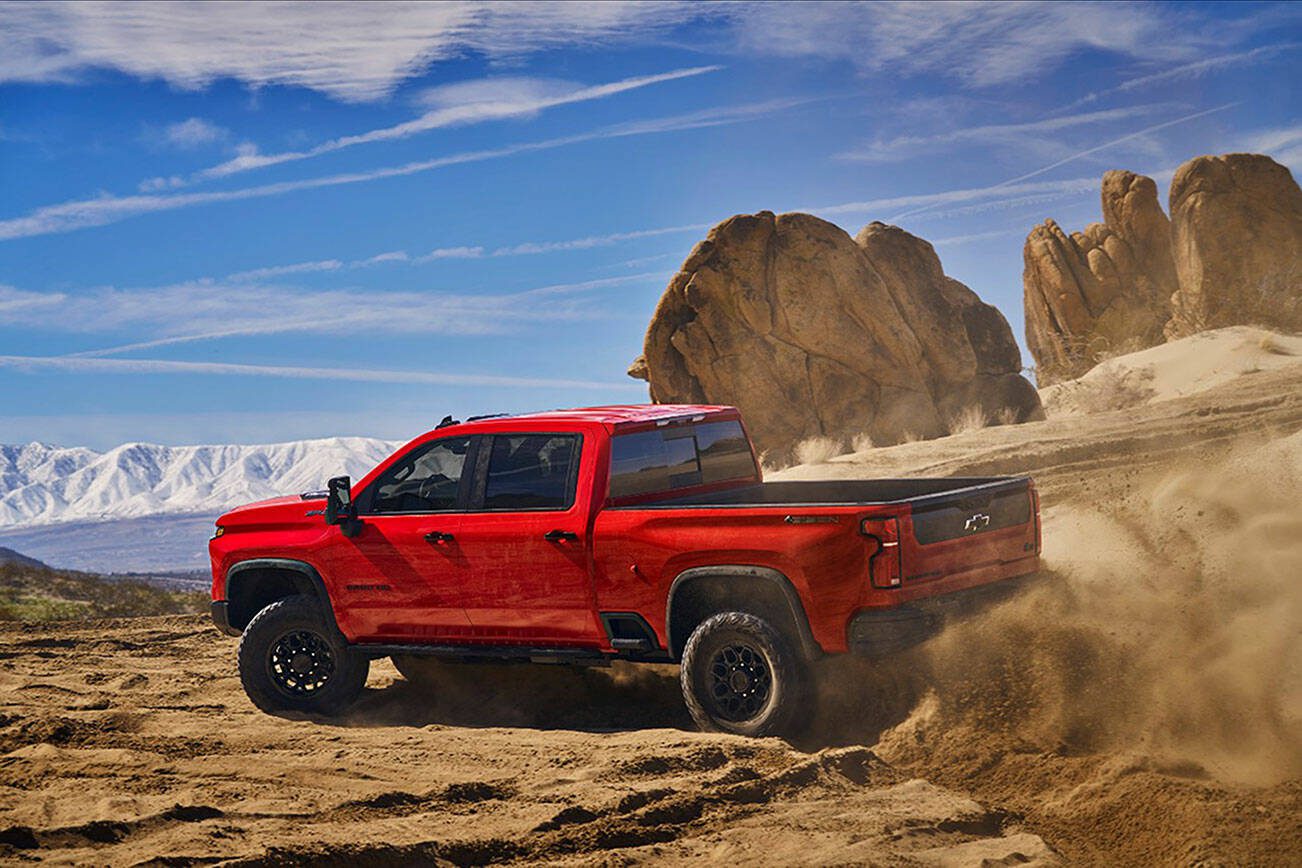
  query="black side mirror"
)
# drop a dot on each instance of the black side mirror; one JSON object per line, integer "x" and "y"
{"x": 339, "y": 500}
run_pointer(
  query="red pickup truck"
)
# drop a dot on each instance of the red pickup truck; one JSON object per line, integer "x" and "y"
{"x": 639, "y": 532}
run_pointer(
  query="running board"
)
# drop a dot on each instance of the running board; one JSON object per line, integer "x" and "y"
{"x": 589, "y": 656}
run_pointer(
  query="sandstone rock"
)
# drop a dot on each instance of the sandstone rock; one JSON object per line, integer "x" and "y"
{"x": 1237, "y": 226}
{"x": 1101, "y": 291}
{"x": 812, "y": 333}
{"x": 1229, "y": 255}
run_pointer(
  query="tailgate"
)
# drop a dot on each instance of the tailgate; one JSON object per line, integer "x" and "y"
{"x": 977, "y": 533}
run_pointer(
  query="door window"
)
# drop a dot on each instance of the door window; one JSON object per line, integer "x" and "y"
{"x": 427, "y": 479}
{"x": 531, "y": 471}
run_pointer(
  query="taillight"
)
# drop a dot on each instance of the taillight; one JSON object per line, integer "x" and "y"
{"x": 1035, "y": 510}
{"x": 884, "y": 569}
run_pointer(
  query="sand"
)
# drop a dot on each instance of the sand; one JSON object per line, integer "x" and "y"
{"x": 1140, "y": 706}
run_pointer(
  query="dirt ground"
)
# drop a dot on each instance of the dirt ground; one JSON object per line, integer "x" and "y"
{"x": 1142, "y": 705}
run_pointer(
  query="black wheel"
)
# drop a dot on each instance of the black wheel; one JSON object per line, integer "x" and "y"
{"x": 293, "y": 659}
{"x": 741, "y": 675}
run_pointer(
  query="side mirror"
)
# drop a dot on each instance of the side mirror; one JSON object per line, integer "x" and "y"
{"x": 339, "y": 500}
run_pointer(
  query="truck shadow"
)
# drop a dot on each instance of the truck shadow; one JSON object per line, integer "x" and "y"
{"x": 855, "y": 700}
{"x": 620, "y": 697}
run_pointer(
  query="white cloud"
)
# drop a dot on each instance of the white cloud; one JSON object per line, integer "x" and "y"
{"x": 532, "y": 247}
{"x": 81, "y": 365}
{"x": 101, "y": 211}
{"x": 904, "y": 147}
{"x": 193, "y": 133}
{"x": 350, "y": 51}
{"x": 185, "y": 312}
{"x": 458, "y": 104}
{"x": 1283, "y": 144}
{"x": 980, "y": 44}
{"x": 1194, "y": 69}
{"x": 13, "y": 300}
{"x": 1012, "y": 183}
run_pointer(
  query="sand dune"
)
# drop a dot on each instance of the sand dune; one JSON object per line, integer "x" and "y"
{"x": 1141, "y": 706}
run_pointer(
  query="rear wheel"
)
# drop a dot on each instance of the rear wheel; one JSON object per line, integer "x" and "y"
{"x": 292, "y": 659}
{"x": 740, "y": 675}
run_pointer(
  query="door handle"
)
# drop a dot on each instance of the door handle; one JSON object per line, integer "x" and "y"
{"x": 438, "y": 536}
{"x": 558, "y": 535}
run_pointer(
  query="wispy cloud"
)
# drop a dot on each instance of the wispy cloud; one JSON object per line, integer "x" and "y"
{"x": 82, "y": 365}
{"x": 905, "y": 147}
{"x": 190, "y": 133}
{"x": 353, "y": 52}
{"x": 101, "y": 211}
{"x": 459, "y": 105}
{"x": 185, "y": 312}
{"x": 16, "y": 302}
{"x": 1079, "y": 155}
{"x": 980, "y": 44}
{"x": 1193, "y": 69}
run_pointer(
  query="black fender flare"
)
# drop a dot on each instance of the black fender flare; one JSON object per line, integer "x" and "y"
{"x": 301, "y": 567}
{"x": 809, "y": 647}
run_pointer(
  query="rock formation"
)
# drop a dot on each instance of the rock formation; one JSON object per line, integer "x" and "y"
{"x": 1236, "y": 223}
{"x": 812, "y": 333}
{"x": 1104, "y": 290}
{"x": 1228, "y": 255}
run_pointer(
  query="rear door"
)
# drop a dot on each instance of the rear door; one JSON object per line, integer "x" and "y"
{"x": 398, "y": 578}
{"x": 522, "y": 547}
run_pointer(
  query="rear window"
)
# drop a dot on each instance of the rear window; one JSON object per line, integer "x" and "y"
{"x": 649, "y": 462}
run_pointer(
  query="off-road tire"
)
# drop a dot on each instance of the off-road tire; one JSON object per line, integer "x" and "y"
{"x": 267, "y": 656}
{"x": 707, "y": 653}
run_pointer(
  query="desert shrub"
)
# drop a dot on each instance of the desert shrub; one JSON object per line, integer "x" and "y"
{"x": 816, "y": 450}
{"x": 1270, "y": 343}
{"x": 44, "y": 594}
{"x": 968, "y": 419}
{"x": 862, "y": 442}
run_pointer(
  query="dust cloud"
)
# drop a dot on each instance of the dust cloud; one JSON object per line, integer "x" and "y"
{"x": 1169, "y": 626}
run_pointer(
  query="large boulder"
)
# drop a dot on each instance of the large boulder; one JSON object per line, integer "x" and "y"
{"x": 1229, "y": 255}
{"x": 1237, "y": 226}
{"x": 1101, "y": 291}
{"x": 812, "y": 333}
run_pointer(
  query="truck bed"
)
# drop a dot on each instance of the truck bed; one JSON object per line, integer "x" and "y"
{"x": 846, "y": 492}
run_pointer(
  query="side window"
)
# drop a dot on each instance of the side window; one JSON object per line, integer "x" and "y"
{"x": 531, "y": 471}
{"x": 426, "y": 479}
{"x": 724, "y": 451}
{"x": 664, "y": 460}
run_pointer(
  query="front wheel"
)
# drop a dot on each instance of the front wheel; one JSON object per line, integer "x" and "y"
{"x": 740, "y": 675}
{"x": 292, "y": 659}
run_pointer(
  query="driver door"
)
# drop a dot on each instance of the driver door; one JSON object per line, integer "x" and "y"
{"x": 397, "y": 578}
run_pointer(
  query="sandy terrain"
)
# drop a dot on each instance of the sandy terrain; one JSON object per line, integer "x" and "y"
{"x": 1143, "y": 706}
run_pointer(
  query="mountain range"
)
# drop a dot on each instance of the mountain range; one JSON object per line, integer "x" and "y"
{"x": 142, "y": 506}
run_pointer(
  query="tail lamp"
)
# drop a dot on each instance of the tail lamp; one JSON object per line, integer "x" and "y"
{"x": 1035, "y": 511}
{"x": 884, "y": 568}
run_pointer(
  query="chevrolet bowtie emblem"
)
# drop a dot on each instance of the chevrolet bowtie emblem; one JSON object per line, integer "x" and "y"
{"x": 980, "y": 521}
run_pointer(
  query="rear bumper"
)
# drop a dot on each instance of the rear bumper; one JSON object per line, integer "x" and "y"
{"x": 880, "y": 632}
{"x": 221, "y": 617}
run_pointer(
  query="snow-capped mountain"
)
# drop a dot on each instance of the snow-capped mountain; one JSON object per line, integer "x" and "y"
{"x": 42, "y": 485}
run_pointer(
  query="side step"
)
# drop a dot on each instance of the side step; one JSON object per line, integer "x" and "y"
{"x": 520, "y": 653}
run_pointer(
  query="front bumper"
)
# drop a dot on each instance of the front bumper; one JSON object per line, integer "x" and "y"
{"x": 221, "y": 617}
{"x": 882, "y": 632}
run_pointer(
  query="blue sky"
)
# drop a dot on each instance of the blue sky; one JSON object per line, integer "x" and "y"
{"x": 240, "y": 223}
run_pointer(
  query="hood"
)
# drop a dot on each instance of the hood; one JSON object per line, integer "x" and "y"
{"x": 291, "y": 509}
